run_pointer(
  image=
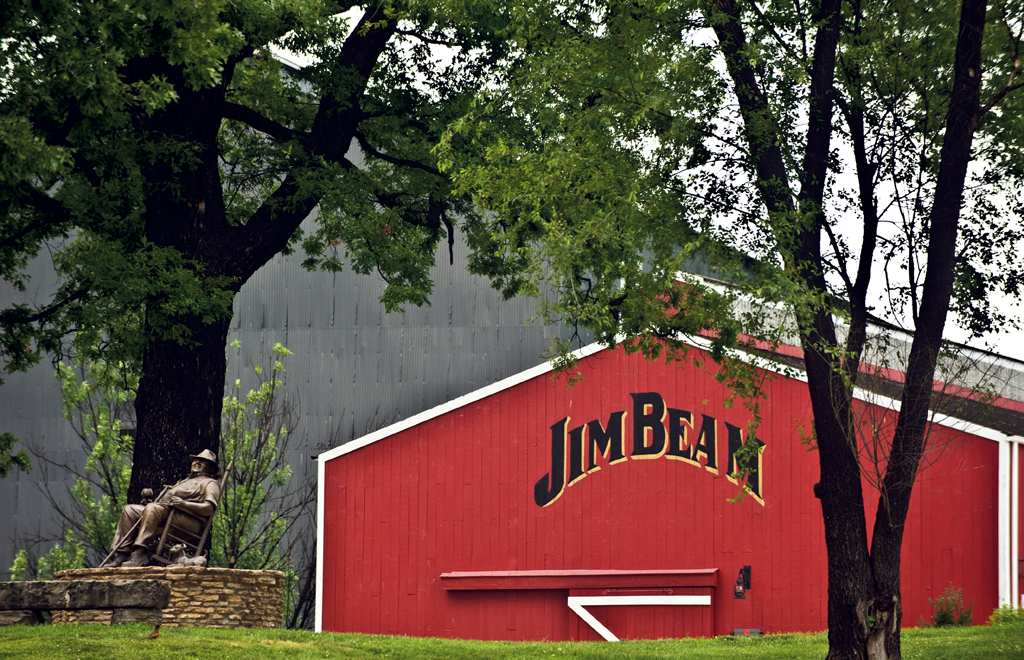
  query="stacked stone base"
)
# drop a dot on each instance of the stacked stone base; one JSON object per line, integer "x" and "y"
{"x": 200, "y": 597}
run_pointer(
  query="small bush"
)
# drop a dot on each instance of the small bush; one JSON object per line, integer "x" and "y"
{"x": 60, "y": 558}
{"x": 949, "y": 608}
{"x": 1007, "y": 615}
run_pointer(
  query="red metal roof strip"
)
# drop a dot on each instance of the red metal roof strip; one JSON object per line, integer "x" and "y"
{"x": 578, "y": 579}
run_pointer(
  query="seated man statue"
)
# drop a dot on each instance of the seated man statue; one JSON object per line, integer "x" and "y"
{"x": 138, "y": 527}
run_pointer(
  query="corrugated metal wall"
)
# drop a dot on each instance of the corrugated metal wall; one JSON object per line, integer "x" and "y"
{"x": 354, "y": 367}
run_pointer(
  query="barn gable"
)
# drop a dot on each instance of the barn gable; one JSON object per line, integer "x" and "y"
{"x": 528, "y": 510}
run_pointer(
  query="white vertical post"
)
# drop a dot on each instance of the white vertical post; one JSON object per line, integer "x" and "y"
{"x": 1015, "y": 522}
{"x": 321, "y": 480}
{"x": 1005, "y": 597}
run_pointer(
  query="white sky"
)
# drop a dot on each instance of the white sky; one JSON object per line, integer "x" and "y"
{"x": 1009, "y": 343}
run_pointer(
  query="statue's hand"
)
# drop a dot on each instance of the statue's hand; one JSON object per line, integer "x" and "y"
{"x": 176, "y": 501}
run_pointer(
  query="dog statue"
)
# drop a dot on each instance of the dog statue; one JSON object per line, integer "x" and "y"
{"x": 179, "y": 558}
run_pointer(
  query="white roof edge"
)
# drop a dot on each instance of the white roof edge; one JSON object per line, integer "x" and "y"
{"x": 876, "y": 399}
{"x": 523, "y": 376}
{"x": 454, "y": 404}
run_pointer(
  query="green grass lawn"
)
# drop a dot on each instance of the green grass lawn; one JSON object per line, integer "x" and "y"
{"x": 94, "y": 642}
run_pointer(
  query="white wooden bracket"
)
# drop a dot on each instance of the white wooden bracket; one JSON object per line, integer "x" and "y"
{"x": 578, "y": 604}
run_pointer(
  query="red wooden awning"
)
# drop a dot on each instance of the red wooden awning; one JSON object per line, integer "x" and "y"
{"x": 579, "y": 579}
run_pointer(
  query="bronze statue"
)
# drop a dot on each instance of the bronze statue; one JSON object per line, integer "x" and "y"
{"x": 138, "y": 527}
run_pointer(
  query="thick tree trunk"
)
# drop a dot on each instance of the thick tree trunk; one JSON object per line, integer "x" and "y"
{"x": 178, "y": 406}
{"x": 877, "y": 613}
{"x": 944, "y": 219}
{"x": 180, "y": 397}
{"x": 864, "y": 609}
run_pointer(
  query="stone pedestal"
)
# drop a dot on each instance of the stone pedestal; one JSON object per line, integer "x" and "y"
{"x": 206, "y": 597}
{"x": 127, "y": 600}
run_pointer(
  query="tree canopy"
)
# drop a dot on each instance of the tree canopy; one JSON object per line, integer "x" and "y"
{"x": 846, "y": 162}
{"x": 162, "y": 155}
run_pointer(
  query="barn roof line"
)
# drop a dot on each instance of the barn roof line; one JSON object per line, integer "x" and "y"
{"x": 790, "y": 369}
{"x": 454, "y": 404}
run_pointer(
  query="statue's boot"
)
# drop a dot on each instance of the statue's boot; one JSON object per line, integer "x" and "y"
{"x": 140, "y": 558}
{"x": 116, "y": 560}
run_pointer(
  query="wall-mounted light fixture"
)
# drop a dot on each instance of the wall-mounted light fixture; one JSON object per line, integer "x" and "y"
{"x": 742, "y": 585}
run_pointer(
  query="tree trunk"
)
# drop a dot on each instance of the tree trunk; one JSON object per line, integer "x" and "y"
{"x": 871, "y": 627}
{"x": 180, "y": 397}
{"x": 864, "y": 609}
{"x": 909, "y": 436}
{"x": 178, "y": 406}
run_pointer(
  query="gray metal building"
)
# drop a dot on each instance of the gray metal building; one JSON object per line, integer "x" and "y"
{"x": 354, "y": 367}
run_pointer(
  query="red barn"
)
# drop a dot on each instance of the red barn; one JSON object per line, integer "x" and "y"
{"x": 533, "y": 511}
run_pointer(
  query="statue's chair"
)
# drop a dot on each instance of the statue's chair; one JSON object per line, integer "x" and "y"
{"x": 181, "y": 526}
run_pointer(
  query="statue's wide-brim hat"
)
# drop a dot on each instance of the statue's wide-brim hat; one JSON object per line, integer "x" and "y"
{"x": 207, "y": 455}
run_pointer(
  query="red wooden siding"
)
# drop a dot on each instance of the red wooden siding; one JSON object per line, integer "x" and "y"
{"x": 456, "y": 494}
{"x": 1017, "y": 568}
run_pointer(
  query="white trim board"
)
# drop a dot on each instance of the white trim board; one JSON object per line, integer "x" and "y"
{"x": 592, "y": 349}
{"x": 578, "y": 604}
{"x": 867, "y": 397}
{"x": 454, "y": 404}
{"x": 318, "y": 607}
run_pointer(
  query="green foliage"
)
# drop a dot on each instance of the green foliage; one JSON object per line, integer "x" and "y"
{"x": 254, "y": 425}
{"x": 1007, "y": 615}
{"x": 613, "y": 157}
{"x": 101, "y": 155}
{"x": 260, "y": 505}
{"x": 98, "y": 397}
{"x": 59, "y": 558}
{"x": 71, "y": 165}
{"x": 19, "y": 569}
{"x": 948, "y": 609}
{"x": 160, "y": 155}
{"x": 9, "y": 459}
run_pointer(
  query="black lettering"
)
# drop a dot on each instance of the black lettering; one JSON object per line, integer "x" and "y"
{"x": 648, "y": 413}
{"x": 707, "y": 444}
{"x": 607, "y": 441}
{"x": 752, "y": 468}
{"x": 680, "y": 423}
{"x": 551, "y": 485}
{"x": 577, "y": 467}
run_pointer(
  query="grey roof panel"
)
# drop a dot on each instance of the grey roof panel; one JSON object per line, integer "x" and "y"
{"x": 354, "y": 367}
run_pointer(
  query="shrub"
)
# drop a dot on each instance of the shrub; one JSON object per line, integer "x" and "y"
{"x": 1007, "y": 615}
{"x": 949, "y": 608}
{"x": 60, "y": 558}
{"x": 254, "y": 529}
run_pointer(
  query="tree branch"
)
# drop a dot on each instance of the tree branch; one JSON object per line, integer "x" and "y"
{"x": 403, "y": 162}
{"x": 428, "y": 40}
{"x": 1001, "y": 95}
{"x": 272, "y": 225}
{"x": 758, "y": 124}
{"x": 909, "y": 435}
{"x": 249, "y": 117}
{"x": 767, "y": 23}
{"x": 7, "y": 318}
{"x": 47, "y": 206}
